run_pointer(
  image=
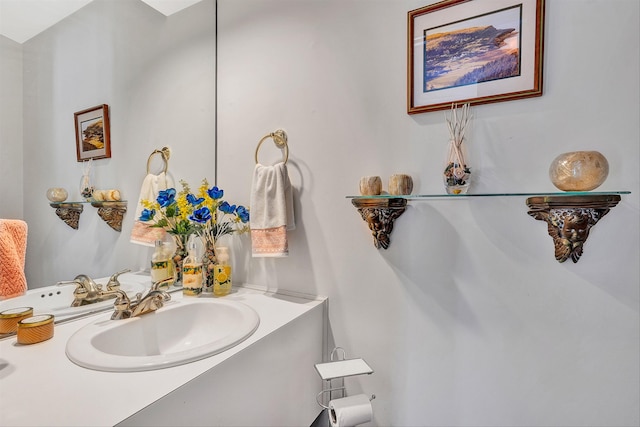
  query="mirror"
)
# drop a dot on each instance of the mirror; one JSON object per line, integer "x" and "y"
{"x": 157, "y": 75}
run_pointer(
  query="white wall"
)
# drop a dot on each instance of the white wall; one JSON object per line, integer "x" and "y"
{"x": 11, "y": 191}
{"x": 467, "y": 319}
{"x": 157, "y": 74}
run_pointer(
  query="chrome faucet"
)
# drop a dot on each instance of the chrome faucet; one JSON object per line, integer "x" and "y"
{"x": 124, "y": 308}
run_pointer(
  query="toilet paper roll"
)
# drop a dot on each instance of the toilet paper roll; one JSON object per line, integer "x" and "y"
{"x": 350, "y": 411}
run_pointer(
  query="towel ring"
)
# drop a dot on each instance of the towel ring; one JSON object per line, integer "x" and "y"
{"x": 280, "y": 139}
{"x": 165, "y": 153}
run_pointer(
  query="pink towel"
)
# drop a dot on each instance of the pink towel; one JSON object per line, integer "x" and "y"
{"x": 13, "y": 250}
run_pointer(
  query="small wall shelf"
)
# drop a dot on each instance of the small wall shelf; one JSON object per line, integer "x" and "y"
{"x": 69, "y": 212}
{"x": 111, "y": 212}
{"x": 569, "y": 219}
{"x": 569, "y": 215}
{"x": 379, "y": 214}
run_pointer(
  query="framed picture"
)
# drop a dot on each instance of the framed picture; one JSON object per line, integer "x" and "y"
{"x": 92, "y": 133}
{"x": 475, "y": 51}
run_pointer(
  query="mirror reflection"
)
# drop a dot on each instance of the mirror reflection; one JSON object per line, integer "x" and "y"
{"x": 156, "y": 72}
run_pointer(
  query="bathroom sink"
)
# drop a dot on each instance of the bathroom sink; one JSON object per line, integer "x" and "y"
{"x": 57, "y": 300}
{"x": 180, "y": 332}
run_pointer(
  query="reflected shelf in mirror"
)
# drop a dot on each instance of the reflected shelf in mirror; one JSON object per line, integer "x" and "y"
{"x": 111, "y": 212}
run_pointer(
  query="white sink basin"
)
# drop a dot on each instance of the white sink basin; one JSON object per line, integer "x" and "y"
{"x": 180, "y": 332}
{"x": 57, "y": 300}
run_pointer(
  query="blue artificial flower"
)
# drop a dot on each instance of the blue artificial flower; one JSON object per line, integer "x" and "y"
{"x": 147, "y": 215}
{"x": 243, "y": 213}
{"x": 215, "y": 193}
{"x": 201, "y": 215}
{"x": 166, "y": 197}
{"x": 227, "y": 208}
{"x": 193, "y": 201}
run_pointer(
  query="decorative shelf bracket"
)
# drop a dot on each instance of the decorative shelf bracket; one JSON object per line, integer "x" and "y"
{"x": 112, "y": 213}
{"x": 569, "y": 215}
{"x": 379, "y": 214}
{"x": 569, "y": 219}
{"x": 69, "y": 213}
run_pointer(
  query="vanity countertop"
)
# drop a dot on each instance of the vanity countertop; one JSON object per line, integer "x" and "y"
{"x": 40, "y": 386}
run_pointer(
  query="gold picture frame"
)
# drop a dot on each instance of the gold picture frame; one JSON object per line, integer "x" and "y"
{"x": 472, "y": 51}
{"x": 93, "y": 139}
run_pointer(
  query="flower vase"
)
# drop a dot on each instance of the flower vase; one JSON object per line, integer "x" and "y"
{"x": 179, "y": 255}
{"x": 208, "y": 265}
{"x": 86, "y": 182}
{"x": 457, "y": 172}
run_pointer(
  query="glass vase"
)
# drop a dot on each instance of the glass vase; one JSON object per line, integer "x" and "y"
{"x": 457, "y": 172}
{"x": 208, "y": 265}
{"x": 179, "y": 255}
{"x": 86, "y": 186}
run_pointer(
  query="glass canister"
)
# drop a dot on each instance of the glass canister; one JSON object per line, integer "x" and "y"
{"x": 222, "y": 273}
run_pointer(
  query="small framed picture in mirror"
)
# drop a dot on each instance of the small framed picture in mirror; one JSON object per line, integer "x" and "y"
{"x": 92, "y": 133}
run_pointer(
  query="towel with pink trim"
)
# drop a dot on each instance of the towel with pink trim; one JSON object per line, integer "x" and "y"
{"x": 142, "y": 233}
{"x": 271, "y": 205}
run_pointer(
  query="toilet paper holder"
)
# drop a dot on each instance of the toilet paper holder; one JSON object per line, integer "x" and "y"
{"x": 373, "y": 396}
{"x": 340, "y": 368}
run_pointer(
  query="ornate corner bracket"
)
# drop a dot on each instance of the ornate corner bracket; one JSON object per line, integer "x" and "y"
{"x": 569, "y": 219}
{"x": 68, "y": 212}
{"x": 112, "y": 213}
{"x": 379, "y": 214}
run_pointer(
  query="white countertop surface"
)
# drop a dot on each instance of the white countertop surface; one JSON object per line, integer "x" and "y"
{"x": 40, "y": 386}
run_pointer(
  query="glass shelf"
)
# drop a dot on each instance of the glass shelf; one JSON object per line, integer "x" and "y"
{"x": 465, "y": 196}
{"x": 85, "y": 202}
{"x": 568, "y": 214}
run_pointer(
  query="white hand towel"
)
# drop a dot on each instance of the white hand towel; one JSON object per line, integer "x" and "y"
{"x": 141, "y": 233}
{"x": 271, "y": 214}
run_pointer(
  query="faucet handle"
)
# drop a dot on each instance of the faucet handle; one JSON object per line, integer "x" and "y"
{"x": 122, "y": 306}
{"x": 81, "y": 290}
{"x": 155, "y": 286}
{"x": 113, "y": 283}
{"x": 66, "y": 282}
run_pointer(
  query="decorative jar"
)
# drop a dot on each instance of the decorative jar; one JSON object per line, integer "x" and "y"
{"x": 370, "y": 185}
{"x": 222, "y": 273}
{"x": 457, "y": 171}
{"x": 579, "y": 170}
{"x": 86, "y": 181}
{"x": 400, "y": 184}
{"x": 57, "y": 194}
